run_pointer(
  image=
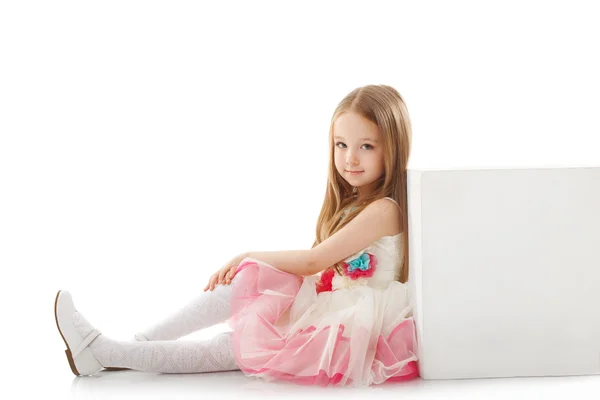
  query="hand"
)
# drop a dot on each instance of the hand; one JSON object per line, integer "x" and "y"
{"x": 225, "y": 275}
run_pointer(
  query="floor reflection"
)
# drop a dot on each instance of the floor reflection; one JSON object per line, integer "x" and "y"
{"x": 233, "y": 384}
{"x": 224, "y": 384}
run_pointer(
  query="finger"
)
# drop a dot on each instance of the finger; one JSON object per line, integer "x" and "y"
{"x": 230, "y": 276}
{"x": 215, "y": 281}
{"x": 222, "y": 274}
{"x": 232, "y": 273}
{"x": 211, "y": 282}
{"x": 207, "y": 285}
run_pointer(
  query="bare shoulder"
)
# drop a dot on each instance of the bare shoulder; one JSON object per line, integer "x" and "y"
{"x": 378, "y": 219}
{"x": 387, "y": 211}
{"x": 393, "y": 208}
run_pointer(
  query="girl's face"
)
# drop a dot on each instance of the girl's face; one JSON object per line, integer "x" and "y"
{"x": 358, "y": 147}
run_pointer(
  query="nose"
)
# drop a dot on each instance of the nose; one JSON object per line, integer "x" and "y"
{"x": 351, "y": 159}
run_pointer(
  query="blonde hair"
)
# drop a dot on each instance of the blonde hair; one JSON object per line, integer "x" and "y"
{"x": 384, "y": 106}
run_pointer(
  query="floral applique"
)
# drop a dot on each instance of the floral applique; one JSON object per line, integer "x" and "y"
{"x": 356, "y": 271}
{"x": 324, "y": 285}
{"x": 362, "y": 266}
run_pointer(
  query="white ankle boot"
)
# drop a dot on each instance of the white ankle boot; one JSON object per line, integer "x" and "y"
{"x": 80, "y": 356}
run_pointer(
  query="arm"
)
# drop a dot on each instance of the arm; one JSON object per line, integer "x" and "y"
{"x": 292, "y": 261}
{"x": 375, "y": 221}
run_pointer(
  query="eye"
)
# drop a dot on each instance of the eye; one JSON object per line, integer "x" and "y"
{"x": 366, "y": 144}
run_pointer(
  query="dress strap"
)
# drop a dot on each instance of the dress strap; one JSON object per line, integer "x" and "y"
{"x": 392, "y": 200}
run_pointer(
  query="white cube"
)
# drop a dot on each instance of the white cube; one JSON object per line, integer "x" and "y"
{"x": 505, "y": 271}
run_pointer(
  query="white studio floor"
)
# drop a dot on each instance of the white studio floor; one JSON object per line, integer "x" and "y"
{"x": 233, "y": 384}
{"x": 52, "y": 378}
{"x": 36, "y": 367}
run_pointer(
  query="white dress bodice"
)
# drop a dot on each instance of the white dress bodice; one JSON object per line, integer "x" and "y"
{"x": 388, "y": 251}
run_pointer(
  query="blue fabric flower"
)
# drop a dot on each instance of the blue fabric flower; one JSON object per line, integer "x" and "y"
{"x": 361, "y": 263}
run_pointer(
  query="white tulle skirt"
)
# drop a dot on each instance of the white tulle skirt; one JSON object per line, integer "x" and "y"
{"x": 284, "y": 330}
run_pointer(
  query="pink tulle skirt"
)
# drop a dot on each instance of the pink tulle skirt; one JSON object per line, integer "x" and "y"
{"x": 283, "y": 330}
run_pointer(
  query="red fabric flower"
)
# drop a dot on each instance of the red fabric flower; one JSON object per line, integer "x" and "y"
{"x": 324, "y": 285}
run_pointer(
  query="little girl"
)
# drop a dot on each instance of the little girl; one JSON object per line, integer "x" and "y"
{"x": 339, "y": 313}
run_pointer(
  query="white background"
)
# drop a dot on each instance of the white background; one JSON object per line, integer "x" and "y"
{"x": 143, "y": 144}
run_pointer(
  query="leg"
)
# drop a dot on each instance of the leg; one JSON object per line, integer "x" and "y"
{"x": 165, "y": 356}
{"x": 205, "y": 310}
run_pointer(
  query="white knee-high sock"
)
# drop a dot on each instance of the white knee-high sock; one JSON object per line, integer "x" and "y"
{"x": 205, "y": 310}
{"x": 165, "y": 356}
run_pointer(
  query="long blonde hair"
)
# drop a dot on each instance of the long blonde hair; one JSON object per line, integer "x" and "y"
{"x": 384, "y": 106}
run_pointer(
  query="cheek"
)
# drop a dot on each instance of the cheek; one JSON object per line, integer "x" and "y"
{"x": 337, "y": 159}
{"x": 374, "y": 159}
{"x": 377, "y": 162}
